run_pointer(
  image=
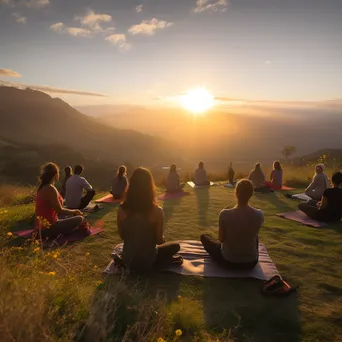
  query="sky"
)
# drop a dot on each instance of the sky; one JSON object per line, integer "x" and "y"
{"x": 135, "y": 52}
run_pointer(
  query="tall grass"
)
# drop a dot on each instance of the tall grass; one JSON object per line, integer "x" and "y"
{"x": 15, "y": 195}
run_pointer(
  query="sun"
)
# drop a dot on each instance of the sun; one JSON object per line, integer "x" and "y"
{"x": 197, "y": 100}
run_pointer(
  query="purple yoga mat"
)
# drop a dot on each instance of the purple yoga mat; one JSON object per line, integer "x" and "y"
{"x": 300, "y": 217}
{"x": 61, "y": 240}
{"x": 168, "y": 196}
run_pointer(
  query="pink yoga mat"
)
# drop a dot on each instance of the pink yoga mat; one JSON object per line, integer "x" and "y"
{"x": 61, "y": 240}
{"x": 300, "y": 217}
{"x": 108, "y": 199}
{"x": 168, "y": 196}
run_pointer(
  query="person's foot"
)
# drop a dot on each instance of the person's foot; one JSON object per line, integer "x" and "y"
{"x": 177, "y": 259}
{"x": 287, "y": 195}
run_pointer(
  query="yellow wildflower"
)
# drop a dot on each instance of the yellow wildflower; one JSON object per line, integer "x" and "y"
{"x": 179, "y": 332}
{"x": 87, "y": 254}
{"x": 96, "y": 267}
{"x": 36, "y": 250}
{"x": 37, "y": 242}
{"x": 179, "y": 297}
{"x": 99, "y": 283}
{"x": 51, "y": 273}
{"x": 160, "y": 339}
{"x": 9, "y": 234}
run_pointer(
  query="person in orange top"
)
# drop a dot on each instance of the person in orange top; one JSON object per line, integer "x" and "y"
{"x": 49, "y": 204}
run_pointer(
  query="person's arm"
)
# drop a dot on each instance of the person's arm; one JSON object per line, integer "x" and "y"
{"x": 53, "y": 199}
{"x": 313, "y": 184}
{"x": 324, "y": 202}
{"x": 221, "y": 228}
{"x": 120, "y": 217}
{"x": 160, "y": 226}
{"x": 272, "y": 175}
{"x": 85, "y": 185}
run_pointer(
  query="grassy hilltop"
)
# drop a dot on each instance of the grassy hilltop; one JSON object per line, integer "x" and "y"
{"x": 61, "y": 295}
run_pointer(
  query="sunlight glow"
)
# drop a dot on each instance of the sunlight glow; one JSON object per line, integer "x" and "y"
{"x": 197, "y": 100}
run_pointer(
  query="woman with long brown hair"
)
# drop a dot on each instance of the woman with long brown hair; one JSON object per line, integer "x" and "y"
{"x": 49, "y": 204}
{"x": 141, "y": 223}
{"x": 120, "y": 183}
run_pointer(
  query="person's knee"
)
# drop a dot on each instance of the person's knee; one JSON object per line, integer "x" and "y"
{"x": 78, "y": 220}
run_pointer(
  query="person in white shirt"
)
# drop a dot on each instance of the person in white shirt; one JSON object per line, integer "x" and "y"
{"x": 74, "y": 187}
{"x": 200, "y": 177}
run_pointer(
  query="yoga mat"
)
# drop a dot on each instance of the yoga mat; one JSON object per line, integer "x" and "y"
{"x": 168, "y": 196}
{"x": 228, "y": 185}
{"x": 108, "y": 199}
{"x": 300, "y": 217}
{"x": 198, "y": 263}
{"x": 193, "y": 185}
{"x": 92, "y": 208}
{"x": 286, "y": 188}
{"x": 61, "y": 240}
{"x": 302, "y": 197}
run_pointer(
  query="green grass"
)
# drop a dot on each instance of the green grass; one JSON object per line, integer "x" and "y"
{"x": 76, "y": 304}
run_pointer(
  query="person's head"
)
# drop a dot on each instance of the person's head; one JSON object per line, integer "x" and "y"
{"x": 68, "y": 171}
{"x": 257, "y": 166}
{"x": 277, "y": 166}
{"x": 78, "y": 169}
{"x": 201, "y": 165}
{"x": 173, "y": 168}
{"x": 140, "y": 196}
{"x": 49, "y": 173}
{"x": 121, "y": 171}
{"x": 244, "y": 191}
{"x": 337, "y": 179}
{"x": 319, "y": 168}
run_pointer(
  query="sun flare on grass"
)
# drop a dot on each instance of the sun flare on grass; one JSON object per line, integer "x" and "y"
{"x": 197, "y": 101}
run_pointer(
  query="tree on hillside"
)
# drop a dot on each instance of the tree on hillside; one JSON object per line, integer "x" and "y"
{"x": 288, "y": 151}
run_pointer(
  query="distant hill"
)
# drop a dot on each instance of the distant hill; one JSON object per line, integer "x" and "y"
{"x": 244, "y": 133}
{"x": 32, "y": 117}
{"x": 329, "y": 156}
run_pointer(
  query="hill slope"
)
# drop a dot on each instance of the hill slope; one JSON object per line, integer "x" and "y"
{"x": 33, "y": 117}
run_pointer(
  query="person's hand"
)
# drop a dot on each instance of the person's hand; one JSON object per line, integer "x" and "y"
{"x": 318, "y": 204}
{"x": 77, "y": 212}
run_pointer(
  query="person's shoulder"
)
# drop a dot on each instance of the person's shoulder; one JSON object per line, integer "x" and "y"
{"x": 157, "y": 209}
{"x": 258, "y": 212}
{"x": 50, "y": 189}
{"x": 227, "y": 212}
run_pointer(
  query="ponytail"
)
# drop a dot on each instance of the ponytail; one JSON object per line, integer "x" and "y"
{"x": 48, "y": 171}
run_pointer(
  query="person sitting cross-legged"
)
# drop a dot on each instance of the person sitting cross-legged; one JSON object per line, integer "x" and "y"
{"x": 330, "y": 208}
{"x": 238, "y": 244}
{"x": 173, "y": 184}
{"x": 140, "y": 224}
{"x": 200, "y": 176}
{"x": 49, "y": 204}
{"x": 120, "y": 183}
{"x": 74, "y": 190}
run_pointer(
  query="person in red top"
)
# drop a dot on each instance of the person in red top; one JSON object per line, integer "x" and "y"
{"x": 49, "y": 204}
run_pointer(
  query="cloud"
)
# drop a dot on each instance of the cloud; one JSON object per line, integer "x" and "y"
{"x": 26, "y": 3}
{"x": 149, "y": 27}
{"x": 19, "y": 19}
{"x": 78, "y": 32}
{"x": 72, "y": 31}
{"x": 58, "y": 27}
{"x": 211, "y": 5}
{"x": 9, "y": 73}
{"x": 139, "y": 8}
{"x": 119, "y": 40}
{"x": 51, "y": 89}
{"x": 93, "y": 20}
{"x": 36, "y": 3}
